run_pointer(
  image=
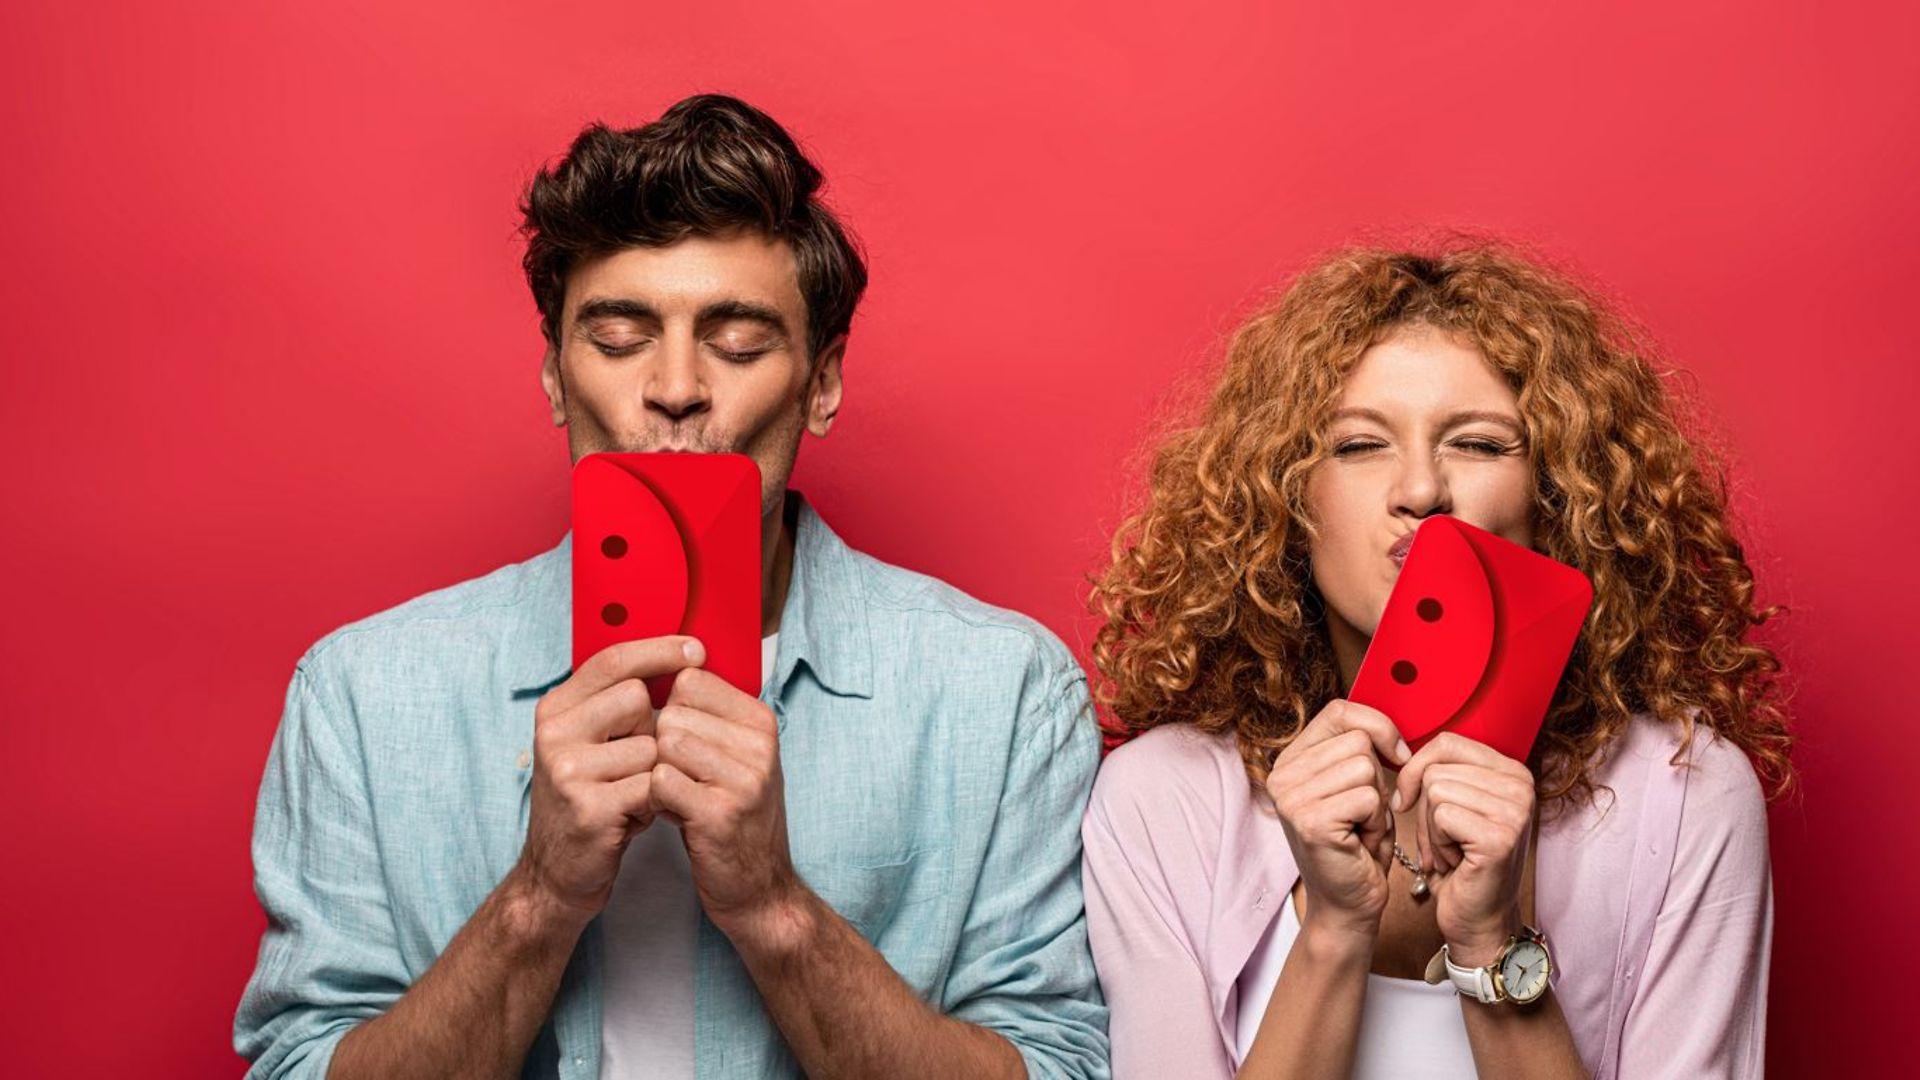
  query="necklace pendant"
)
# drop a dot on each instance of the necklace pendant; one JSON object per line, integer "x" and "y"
{"x": 1419, "y": 888}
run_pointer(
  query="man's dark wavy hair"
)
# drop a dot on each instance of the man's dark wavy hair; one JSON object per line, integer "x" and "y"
{"x": 710, "y": 165}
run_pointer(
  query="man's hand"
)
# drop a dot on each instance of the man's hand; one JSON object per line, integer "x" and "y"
{"x": 718, "y": 774}
{"x": 593, "y": 752}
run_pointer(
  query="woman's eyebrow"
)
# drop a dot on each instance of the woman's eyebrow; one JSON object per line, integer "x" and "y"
{"x": 1469, "y": 416}
{"x": 1454, "y": 420}
{"x": 1360, "y": 413}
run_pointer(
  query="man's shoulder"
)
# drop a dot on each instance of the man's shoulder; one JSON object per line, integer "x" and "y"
{"x": 436, "y": 627}
{"x": 906, "y": 605}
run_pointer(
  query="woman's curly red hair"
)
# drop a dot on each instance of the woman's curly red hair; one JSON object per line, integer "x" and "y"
{"x": 1211, "y": 618}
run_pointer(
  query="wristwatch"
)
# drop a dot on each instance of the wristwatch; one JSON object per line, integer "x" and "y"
{"x": 1519, "y": 974}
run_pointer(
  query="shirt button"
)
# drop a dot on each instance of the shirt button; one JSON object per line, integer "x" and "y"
{"x": 579, "y": 1061}
{"x": 521, "y": 762}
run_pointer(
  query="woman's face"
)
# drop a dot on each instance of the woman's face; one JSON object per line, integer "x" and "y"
{"x": 1423, "y": 426}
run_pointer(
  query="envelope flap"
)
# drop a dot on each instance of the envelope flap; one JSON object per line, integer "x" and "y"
{"x": 1528, "y": 586}
{"x": 1435, "y": 636}
{"x": 630, "y": 568}
{"x": 697, "y": 489}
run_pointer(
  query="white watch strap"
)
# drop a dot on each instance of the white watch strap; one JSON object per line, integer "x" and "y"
{"x": 1476, "y": 983}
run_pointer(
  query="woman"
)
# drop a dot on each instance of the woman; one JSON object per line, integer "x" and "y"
{"x": 1269, "y": 873}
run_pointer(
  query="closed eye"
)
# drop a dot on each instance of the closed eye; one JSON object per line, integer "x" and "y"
{"x": 1356, "y": 446}
{"x": 616, "y": 351}
{"x": 739, "y": 356}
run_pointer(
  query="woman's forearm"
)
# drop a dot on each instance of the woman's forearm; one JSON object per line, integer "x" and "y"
{"x": 1313, "y": 1018}
{"x": 1522, "y": 1040}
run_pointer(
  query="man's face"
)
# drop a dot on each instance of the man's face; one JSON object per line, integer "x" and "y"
{"x": 698, "y": 346}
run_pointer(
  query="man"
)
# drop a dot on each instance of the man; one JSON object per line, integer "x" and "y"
{"x": 476, "y": 863}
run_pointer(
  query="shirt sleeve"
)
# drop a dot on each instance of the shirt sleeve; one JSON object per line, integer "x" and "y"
{"x": 1138, "y": 880}
{"x": 1701, "y": 1006}
{"x": 328, "y": 959}
{"x": 1023, "y": 969}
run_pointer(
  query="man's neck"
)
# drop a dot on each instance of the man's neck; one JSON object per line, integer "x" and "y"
{"x": 776, "y": 562}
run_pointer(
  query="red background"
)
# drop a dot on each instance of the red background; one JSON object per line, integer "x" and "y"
{"x": 270, "y": 365}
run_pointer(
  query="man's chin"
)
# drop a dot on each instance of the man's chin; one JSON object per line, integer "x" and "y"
{"x": 675, "y": 448}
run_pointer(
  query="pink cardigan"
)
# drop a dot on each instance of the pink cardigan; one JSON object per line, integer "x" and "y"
{"x": 1658, "y": 905}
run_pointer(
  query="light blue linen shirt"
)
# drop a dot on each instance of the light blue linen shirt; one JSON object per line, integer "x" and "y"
{"x": 937, "y": 752}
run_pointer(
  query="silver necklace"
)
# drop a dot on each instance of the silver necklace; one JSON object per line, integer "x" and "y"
{"x": 1419, "y": 879}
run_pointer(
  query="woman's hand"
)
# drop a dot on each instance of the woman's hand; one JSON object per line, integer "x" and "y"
{"x": 1331, "y": 792}
{"x": 1473, "y": 806}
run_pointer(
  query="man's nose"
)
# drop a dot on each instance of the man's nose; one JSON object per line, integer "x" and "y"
{"x": 674, "y": 384}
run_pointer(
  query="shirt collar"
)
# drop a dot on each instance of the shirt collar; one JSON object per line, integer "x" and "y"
{"x": 823, "y": 625}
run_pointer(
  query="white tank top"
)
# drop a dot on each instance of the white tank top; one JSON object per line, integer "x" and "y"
{"x": 651, "y": 923}
{"x": 1408, "y": 1028}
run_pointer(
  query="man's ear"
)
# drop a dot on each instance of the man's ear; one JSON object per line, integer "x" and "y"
{"x": 550, "y": 382}
{"x": 824, "y": 387}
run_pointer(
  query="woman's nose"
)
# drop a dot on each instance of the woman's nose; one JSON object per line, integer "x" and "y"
{"x": 1420, "y": 487}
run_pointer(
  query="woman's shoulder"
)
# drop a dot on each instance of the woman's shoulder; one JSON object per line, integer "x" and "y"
{"x": 1701, "y": 789}
{"x": 1172, "y": 776}
{"x": 1713, "y": 768}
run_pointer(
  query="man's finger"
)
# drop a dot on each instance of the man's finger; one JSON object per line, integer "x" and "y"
{"x": 633, "y": 797}
{"x": 617, "y": 759}
{"x": 709, "y": 693}
{"x": 676, "y": 794}
{"x": 618, "y": 710}
{"x": 744, "y": 743}
{"x": 702, "y": 759}
{"x": 641, "y": 659}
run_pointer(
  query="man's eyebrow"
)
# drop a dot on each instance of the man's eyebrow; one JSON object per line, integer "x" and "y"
{"x": 1465, "y": 416}
{"x": 611, "y": 307}
{"x": 724, "y": 310}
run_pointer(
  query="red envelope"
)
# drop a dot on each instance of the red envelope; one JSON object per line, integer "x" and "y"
{"x": 669, "y": 544}
{"x": 1474, "y": 639}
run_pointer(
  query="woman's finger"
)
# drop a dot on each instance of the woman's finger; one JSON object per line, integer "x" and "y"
{"x": 1488, "y": 805}
{"x": 1449, "y": 747}
{"x": 1345, "y": 816}
{"x": 1334, "y": 778}
{"x": 1461, "y": 828}
{"x": 1341, "y": 716}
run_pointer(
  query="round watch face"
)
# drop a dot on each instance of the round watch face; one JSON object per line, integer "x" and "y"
{"x": 1524, "y": 970}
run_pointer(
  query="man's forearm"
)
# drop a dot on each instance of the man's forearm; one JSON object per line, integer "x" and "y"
{"x": 846, "y": 1013}
{"x": 477, "y": 1009}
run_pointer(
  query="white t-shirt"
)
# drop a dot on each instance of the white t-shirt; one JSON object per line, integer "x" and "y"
{"x": 650, "y": 922}
{"x": 1409, "y": 1028}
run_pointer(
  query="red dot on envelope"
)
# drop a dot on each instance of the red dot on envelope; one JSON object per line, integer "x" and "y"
{"x": 1404, "y": 672}
{"x": 613, "y": 614}
{"x": 1428, "y": 609}
{"x": 613, "y": 546}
